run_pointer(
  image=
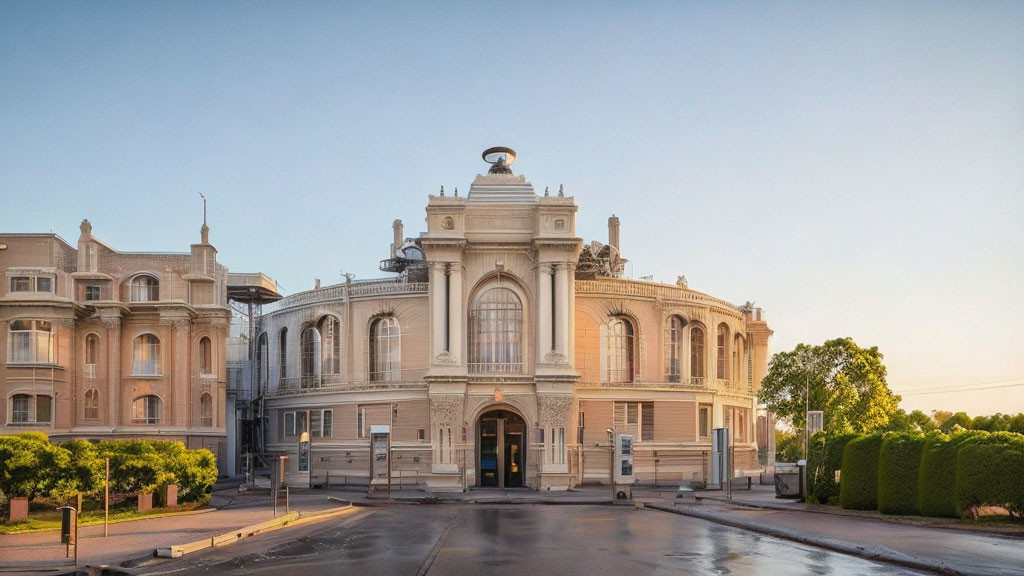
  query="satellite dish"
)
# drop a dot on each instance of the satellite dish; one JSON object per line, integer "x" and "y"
{"x": 500, "y": 158}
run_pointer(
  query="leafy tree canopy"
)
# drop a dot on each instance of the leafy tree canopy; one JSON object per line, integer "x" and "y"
{"x": 844, "y": 381}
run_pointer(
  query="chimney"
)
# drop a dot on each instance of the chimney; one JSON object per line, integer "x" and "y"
{"x": 397, "y": 227}
{"x": 613, "y": 232}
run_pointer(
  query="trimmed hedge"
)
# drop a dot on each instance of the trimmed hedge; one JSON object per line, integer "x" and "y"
{"x": 858, "y": 489}
{"x": 825, "y": 457}
{"x": 990, "y": 472}
{"x": 936, "y": 484}
{"x": 899, "y": 464}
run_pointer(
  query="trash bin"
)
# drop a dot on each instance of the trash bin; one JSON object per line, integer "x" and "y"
{"x": 66, "y": 525}
{"x": 787, "y": 480}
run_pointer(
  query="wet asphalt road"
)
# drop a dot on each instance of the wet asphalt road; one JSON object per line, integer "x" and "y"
{"x": 525, "y": 540}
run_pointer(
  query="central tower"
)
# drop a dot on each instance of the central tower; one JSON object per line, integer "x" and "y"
{"x": 501, "y": 291}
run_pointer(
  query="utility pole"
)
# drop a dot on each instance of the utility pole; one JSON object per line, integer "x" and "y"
{"x": 106, "y": 500}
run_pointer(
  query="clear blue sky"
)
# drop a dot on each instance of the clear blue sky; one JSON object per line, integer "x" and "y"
{"x": 855, "y": 168}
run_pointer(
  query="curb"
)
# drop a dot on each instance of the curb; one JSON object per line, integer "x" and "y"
{"x": 290, "y": 519}
{"x": 874, "y": 553}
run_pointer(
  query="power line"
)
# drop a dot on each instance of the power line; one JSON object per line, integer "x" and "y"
{"x": 960, "y": 386}
{"x": 964, "y": 390}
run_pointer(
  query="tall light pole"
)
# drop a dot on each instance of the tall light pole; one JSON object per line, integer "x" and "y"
{"x": 807, "y": 408}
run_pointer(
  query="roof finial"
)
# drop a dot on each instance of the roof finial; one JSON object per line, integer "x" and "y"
{"x": 442, "y": 191}
{"x": 456, "y": 191}
{"x": 546, "y": 193}
{"x": 204, "y": 232}
{"x": 561, "y": 191}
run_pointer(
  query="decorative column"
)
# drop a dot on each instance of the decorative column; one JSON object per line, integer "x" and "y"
{"x": 562, "y": 311}
{"x": 180, "y": 388}
{"x": 114, "y": 399}
{"x": 455, "y": 311}
{"x": 543, "y": 312}
{"x": 437, "y": 301}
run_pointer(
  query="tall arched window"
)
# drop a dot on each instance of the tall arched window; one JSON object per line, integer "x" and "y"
{"x": 496, "y": 332}
{"x": 205, "y": 356}
{"x": 330, "y": 344}
{"x": 696, "y": 352}
{"x": 385, "y": 350}
{"x": 146, "y": 356}
{"x": 206, "y": 410}
{"x": 722, "y": 362}
{"x": 144, "y": 288}
{"x": 92, "y": 353}
{"x": 147, "y": 410}
{"x": 617, "y": 358}
{"x": 674, "y": 349}
{"x": 309, "y": 352}
{"x": 92, "y": 404}
{"x": 283, "y": 355}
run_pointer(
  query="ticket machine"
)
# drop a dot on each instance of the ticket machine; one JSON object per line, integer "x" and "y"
{"x": 380, "y": 461}
{"x": 622, "y": 467}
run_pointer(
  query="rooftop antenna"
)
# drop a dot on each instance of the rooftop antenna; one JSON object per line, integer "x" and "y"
{"x": 204, "y": 207}
{"x": 204, "y": 232}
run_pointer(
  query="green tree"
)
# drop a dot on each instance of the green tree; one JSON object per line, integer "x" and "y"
{"x": 922, "y": 421}
{"x": 1017, "y": 424}
{"x": 845, "y": 381}
{"x": 940, "y": 416}
{"x": 789, "y": 446}
{"x": 960, "y": 419}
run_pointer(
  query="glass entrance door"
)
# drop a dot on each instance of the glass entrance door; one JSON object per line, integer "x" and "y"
{"x": 501, "y": 445}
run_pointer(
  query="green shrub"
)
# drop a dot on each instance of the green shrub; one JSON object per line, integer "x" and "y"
{"x": 29, "y": 464}
{"x": 990, "y": 472}
{"x": 824, "y": 458}
{"x": 936, "y": 484}
{"x": 135, "y": 466}
{"x": 858, "y": 489}
{"x": 899, "y": 465}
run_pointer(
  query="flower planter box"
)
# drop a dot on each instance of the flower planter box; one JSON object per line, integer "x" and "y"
{"x": 145, "y": 502}
{"x": 18, "y": 509}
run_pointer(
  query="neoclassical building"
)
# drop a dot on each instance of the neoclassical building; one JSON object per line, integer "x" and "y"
{"x": 99, "y": 343}
{"x": 501, "y": 351}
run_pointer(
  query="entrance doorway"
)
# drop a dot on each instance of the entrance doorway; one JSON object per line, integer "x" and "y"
{"x": 501, "y": 442}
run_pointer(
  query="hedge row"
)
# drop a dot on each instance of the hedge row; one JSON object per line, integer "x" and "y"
{"x": 30, "y": 465}
{"x": 933, "y": 475}
{"x": 824, "y": 458}
{"x": 899, "y": 466}
{"x": 858, "y": 486}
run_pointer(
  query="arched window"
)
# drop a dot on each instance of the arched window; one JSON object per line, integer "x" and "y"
{"x": 674, "y": 349}
{"x": 146, "y": 356}
{"x": 385, "y": 350}
{"x": 92, "y": 353}
{"x": 92, "y": 404}
{"x": 696, "y": 352}
{"x": 722, "y": 362}
{"x": 30, "y": 342}
{"x": 496, "y": 333}
{"x": 283, "y": 355}
{"x": 330, "y": 345}
{"x": 618, "y": 350}
{"x": 206, "y": 410}
{"x": 205, "y": 356}
{"x": 144, "y": 288}
{"x": 147, "y": 410}
{"x": 309, "y": 352}
{"x": 29, "y": 409}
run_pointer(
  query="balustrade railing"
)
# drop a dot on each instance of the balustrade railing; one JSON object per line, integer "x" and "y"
{"x": 325, "y": 382}
{"x": 355, "y": 290}
{"x": 627, "y": 287}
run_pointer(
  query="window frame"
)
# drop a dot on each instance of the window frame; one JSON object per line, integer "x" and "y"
{"x": 147, "y": 353}
{"x": 620, "y": 350}
{"x": 33, "y": 350}
{"x": 206, "y": 417}
{"x": 91, "y": 404}
{"x": 385, "y": 362}
{"x": 144, "y": 287}
{"x": 149, "y": 402}
{"x": 495, "y": 331}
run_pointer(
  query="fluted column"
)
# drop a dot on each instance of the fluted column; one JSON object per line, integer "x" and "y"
{"x": 543, "y": 311}
{"x": 455, "y": 310}
{"x": 562, "y": 309}
{"x": 437, "y": 302}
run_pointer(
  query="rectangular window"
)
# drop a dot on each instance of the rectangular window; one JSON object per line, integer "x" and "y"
{"x": 92, "y": 292}
{"x": 314, "y": 423}
{"x": 631, "y": 414}
{"x": 44, "y": 284}
{"x": 421, "y": 434}
{"x": 647, "y": 419}
{"x": 300, "y": 423}
{"x": 328, "y": 423}
{"x": 289, "y": 423}
{"x": 704, "y": 421}
{"x": 635, "y": 418}
{"x": 30, "y": 342}
{"x": 21, "y": 284}
{"x": 361, "y": 422}
{"x": 22, "y": 409}
{"x": 43, "y": 408}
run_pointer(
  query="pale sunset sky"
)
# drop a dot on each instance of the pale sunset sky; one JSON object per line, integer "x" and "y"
{"x": 855, "y": 168}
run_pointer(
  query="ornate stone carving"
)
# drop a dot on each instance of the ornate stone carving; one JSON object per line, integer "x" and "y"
{"x": 446, "y": 410}
{"x": 554, "y": 409}
{"x": 597, "y": 260}
{"x": 445, "y": 358}
{"x": 555, "y": 357}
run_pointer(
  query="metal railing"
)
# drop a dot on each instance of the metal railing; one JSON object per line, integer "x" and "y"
{"x": 325, "y": 382}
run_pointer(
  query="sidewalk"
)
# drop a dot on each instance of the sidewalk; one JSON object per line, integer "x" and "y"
{"x": 921, "y": 543}
{"x": 138, "y": 538}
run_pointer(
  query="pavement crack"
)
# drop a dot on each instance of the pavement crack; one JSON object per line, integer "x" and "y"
{"x": 425, "y": 568}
